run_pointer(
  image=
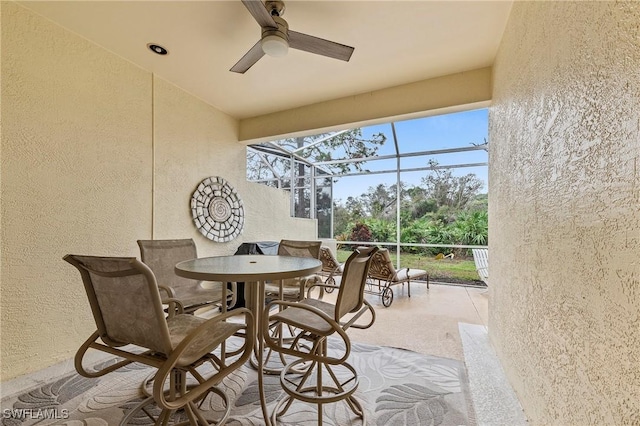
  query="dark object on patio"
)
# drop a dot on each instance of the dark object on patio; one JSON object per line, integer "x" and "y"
{"x": 125, "y": 301}
{"x": 162, "y": 256}
{"x": 314, "y": 321}
{"x": 293, "y": 288}
{"x": 383, "y": 275}
{"x": 261, "y": 247}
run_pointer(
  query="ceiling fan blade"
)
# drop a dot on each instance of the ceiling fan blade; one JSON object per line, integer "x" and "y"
{"x": 249, "y": 58}
{"x": 319, "y": 46}
{"x": 260, "y": 13}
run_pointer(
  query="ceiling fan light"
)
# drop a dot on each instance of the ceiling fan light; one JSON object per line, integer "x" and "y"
{"x": 274, "y": 45}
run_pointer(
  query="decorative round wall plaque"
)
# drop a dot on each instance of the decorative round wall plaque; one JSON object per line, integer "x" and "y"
{"x": 217, "y": 210}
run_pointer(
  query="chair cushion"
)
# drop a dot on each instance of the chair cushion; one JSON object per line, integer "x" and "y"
{"x": 404, "y": 275}
{"x": 181, "y": 326}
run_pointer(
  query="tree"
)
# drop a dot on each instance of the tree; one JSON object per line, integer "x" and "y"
{"x": 323, "y": 207}
{"x": 416, "y": 204}
{"x": 356, "y": 207}
{"x": 380, "y": 201}
{"x": 350, "y": 144}
{"x": 452, "y": 191}
{"x": 262, "y": 165}
{"x": 342, "y": 217}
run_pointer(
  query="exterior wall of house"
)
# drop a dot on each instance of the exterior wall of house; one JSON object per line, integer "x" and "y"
{"x": 564, "y": 211}
{"x": 192, "y": 141}
{"x": 95, "y": 154}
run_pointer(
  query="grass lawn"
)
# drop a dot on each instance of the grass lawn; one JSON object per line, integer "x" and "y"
{"x": 447, "y": 270}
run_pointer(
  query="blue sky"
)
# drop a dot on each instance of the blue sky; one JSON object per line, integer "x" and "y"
{"x": 424, "y": 134}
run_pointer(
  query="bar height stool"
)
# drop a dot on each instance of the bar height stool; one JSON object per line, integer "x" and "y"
{"x": 317, "y": 376}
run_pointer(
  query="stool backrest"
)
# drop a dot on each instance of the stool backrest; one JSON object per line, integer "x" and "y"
{"x": 163, "y": 255}
{"x": 125, "y": 302}
{"x": 300, "y": 248}
{"x": 354, "y": 279}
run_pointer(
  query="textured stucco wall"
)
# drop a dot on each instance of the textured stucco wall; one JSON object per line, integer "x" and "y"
{"x": 75, "y": 178}
{"x": 193, "y": 141}
{"x": 77, "y": 171}
{"x": 565, "y": 210}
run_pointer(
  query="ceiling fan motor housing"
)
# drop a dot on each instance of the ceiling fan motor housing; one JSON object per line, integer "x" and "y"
{"x": 282, "y": 31}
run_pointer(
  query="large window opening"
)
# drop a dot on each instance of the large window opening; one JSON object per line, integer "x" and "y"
{"x": 418, "y": 187}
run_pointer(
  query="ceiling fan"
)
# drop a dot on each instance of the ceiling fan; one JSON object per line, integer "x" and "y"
{"x": 277, "y": 37}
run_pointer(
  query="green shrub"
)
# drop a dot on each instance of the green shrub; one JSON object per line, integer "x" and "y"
{"x": 381, "y": 229}
{"x": 442, "y": 227}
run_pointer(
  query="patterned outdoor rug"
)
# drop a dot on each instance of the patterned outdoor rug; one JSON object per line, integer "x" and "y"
{"x": 397, "y": 387}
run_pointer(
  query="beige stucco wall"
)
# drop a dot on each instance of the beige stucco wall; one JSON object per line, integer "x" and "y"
{"x": 565, "y": 211}
{"x": 192, "y": 141}
{"x": 97, "y": 153}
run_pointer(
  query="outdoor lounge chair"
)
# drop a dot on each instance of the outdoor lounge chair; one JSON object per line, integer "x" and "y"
{"x": 331, "y": 268}
{"x": 316, "y": 374}
{"x": 131, "y": 324}
{"x": 162, "y": 255}
{"x": 481, "y": 259}
{"x": 382, "y": 275}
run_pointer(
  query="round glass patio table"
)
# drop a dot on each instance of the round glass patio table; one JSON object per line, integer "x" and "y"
{"x": 253, "y": 270}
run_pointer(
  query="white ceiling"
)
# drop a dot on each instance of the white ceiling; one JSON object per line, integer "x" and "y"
{"x": 396, "y": 42}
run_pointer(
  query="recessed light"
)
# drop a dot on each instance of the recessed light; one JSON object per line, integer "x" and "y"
{"x": 156, "y": 48}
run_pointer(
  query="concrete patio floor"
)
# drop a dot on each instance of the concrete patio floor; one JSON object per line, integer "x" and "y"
{"x": 448, "y": 321}
{"x": 427, "y": 322}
